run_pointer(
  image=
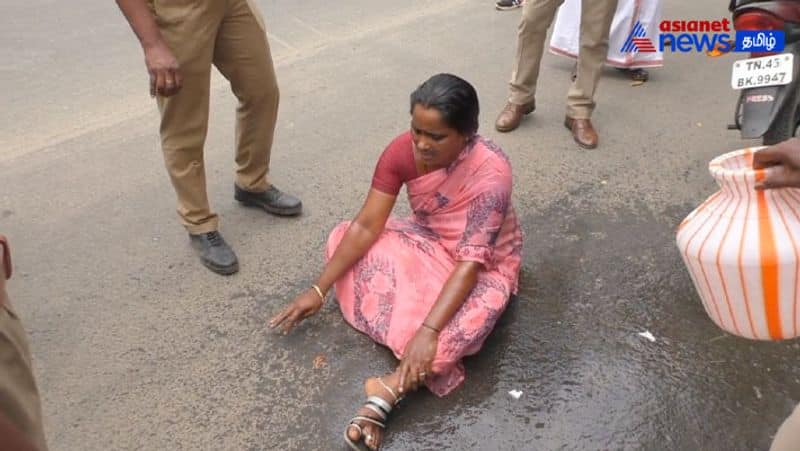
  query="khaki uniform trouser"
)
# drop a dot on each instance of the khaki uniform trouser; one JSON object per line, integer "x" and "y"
{"x": 229, "y": 34}
{"x": 19, "y": 398}
{"x": 537, "y": 15}
{"x": 788, "y": 436}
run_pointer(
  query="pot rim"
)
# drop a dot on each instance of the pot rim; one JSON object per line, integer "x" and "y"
{"x": 719, "y": 172}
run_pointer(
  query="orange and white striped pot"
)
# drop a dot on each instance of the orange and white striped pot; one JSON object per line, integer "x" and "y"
{"x": 741, "y": 249}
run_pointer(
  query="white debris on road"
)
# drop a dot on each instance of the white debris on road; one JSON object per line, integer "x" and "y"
{"x": 648, "y": 335}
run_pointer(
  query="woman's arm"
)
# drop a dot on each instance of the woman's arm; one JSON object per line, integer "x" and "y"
{"x": 359, "y": 237}
{"x": 485, "y": 218}
{"x": 419, "y": 353}
{"x": 455, "y": 291}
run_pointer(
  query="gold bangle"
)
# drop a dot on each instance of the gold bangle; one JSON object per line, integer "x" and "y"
{"x": 319, "y": 292}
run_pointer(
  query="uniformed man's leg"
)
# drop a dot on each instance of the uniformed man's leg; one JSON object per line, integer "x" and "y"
{"x": 243, "y": 56}
{"x": 184, "y": 116}
{"x": 537, "y": 15}
{"x": 19, "y": 397}
{"x": 596, "y": 17}
{"x": 788, "y": 436}
{"x": 184, "y": 123}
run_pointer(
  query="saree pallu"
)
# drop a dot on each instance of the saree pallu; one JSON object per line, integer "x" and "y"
{"x": 461, "y": 213}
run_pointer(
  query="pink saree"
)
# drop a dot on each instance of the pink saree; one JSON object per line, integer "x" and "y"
{"x": 461, "y": 213}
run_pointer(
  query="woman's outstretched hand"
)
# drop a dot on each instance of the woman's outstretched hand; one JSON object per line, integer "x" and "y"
{"x": 303, "y": 306}
{"x": 417, "y": 360}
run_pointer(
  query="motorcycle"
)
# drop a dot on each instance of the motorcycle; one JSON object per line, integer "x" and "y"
{"x": 769, "y": 82}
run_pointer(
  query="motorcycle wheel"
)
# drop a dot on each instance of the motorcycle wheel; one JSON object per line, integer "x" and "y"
{"x": 786, "y": 122}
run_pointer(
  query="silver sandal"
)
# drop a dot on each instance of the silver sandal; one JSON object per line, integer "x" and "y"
{"x": 381, "y": 408}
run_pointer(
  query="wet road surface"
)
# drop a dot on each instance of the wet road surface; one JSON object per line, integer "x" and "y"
{"x": 591, "y": 283}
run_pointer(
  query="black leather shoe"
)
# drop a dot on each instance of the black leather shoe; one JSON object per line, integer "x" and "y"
{"x": 215, "y": 253}
{"x": 272, "y": 200}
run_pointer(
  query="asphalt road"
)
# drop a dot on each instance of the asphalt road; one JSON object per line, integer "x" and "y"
{"x": 136, "y": 346}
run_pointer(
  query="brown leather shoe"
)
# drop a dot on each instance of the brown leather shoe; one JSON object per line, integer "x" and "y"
{"x": 511, "y": 116}
{"x": 582, "y": 131}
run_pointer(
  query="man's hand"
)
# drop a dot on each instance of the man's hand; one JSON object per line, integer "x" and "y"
{"x": 782, "y": 164}
{"x": 303, "y": 306}
{"x": 165, "y": 76}
{"x": 417, "y": 362}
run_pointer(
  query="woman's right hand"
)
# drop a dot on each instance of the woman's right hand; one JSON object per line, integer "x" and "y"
{"x": 303, "y": 306}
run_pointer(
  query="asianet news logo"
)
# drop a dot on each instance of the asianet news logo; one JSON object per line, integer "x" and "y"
{"x": 713, "y": 37}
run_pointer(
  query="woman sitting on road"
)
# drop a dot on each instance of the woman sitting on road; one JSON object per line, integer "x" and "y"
{"x": 430, "y": 287}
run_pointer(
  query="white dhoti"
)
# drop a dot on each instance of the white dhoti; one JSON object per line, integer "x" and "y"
{"x": 566, "y": 35}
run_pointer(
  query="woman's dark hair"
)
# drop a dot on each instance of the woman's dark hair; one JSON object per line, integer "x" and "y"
{"x": 453, "y": 97}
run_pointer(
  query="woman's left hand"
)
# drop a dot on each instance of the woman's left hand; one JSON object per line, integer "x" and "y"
{"x": 417, "y": 360}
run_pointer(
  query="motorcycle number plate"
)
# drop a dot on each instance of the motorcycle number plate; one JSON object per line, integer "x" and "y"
{"x": 773, "y": 70}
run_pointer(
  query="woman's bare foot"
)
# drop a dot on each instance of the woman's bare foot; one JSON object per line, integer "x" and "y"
{"x": 370, "y": 433}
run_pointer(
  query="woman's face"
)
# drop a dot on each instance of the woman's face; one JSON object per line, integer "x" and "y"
{"x": 436, "y": 145}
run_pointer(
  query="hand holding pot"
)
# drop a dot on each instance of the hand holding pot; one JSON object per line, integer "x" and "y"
{"x": 782, "y": 162}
